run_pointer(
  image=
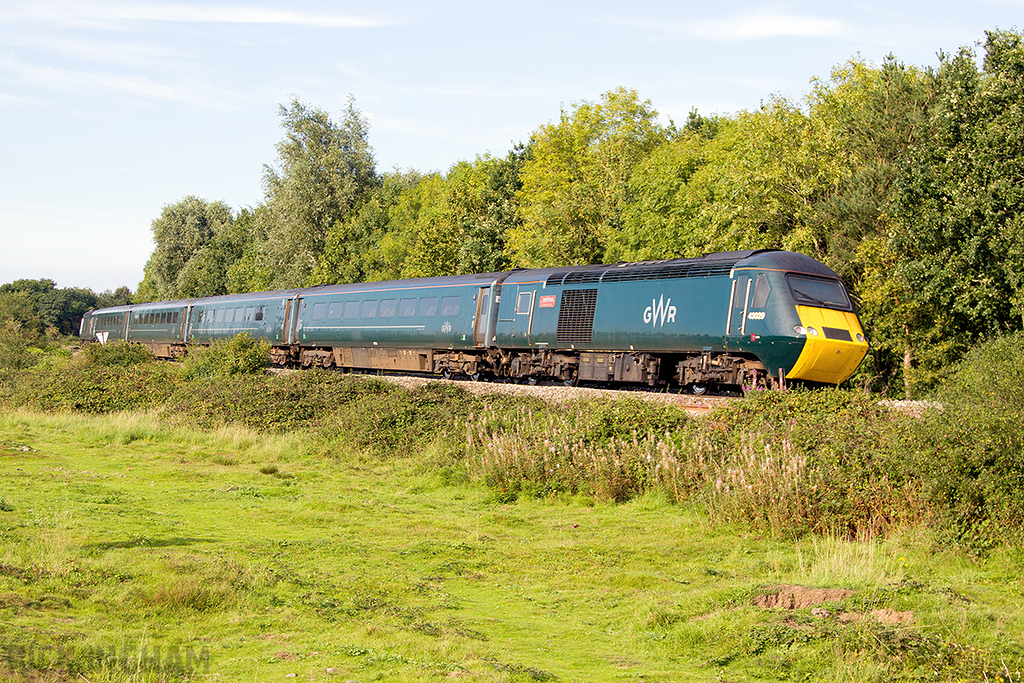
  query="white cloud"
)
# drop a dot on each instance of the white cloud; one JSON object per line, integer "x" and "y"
{"x": 95, "y": 82}
{"x": 99, "y": 12}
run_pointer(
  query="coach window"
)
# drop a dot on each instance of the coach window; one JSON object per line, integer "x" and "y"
{"x": 334, "y": 310}
{"x": 524, "y": 303}
{"x": 318, "y": 311}
{"x": 368, "y": 309}
{"x": 220, "y": 315}
{"x": 761, "y": 291}
{"x": 351, "y": 310}
{"x": 428, "y": 306}
{"x": 387, "y": 308}
{"x": 259, "y": 313}
{"x": 229, "y": 315}
{"x": 239, "y": 315}
{"x": 407, "y": 308}
{"x": 450, "y": 305}
{"x": 249, "y": 313}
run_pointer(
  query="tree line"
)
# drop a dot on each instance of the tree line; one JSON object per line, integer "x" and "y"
{"x": 908, "y": 181}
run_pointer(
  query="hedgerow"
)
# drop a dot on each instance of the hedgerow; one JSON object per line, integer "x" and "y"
{"x": 788, "y": 463}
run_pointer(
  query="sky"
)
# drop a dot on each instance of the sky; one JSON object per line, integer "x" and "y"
{"x": 112, "y": 110}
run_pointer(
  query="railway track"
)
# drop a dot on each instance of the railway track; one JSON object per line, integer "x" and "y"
{"x": 697, "y": 405}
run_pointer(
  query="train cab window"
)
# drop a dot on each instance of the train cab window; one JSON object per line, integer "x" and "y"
{"x": 368, "y": 309}
{"x": 761, "y": 291}
{"x": 387, "y": 308}
{"x": 259, "y": 313}
{"x": 334, "y": 310}
{"x": 814, "y": 292}
{"x": 450, "y": 305}
{"x": 428, "y": 306}
{"x": 524, "y": 303}
{"x": 351, "y": 310}
{"x": 318, "y": 311}
{"x": 407, "y": 308}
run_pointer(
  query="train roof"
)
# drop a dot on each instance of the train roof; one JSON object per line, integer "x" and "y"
{"x": 716, "y": 264}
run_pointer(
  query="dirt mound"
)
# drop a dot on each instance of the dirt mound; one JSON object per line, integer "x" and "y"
{"x": 797, "y": 597}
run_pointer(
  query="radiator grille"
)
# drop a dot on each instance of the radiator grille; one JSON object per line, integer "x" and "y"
{"x": 576, "y": 316}
{"x": 836, "y": 333}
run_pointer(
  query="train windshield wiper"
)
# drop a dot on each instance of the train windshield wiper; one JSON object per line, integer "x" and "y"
{"x": 810, "y": 298}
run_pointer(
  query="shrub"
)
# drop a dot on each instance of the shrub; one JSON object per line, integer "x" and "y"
{"x": 241, "y": 355}
{"x": 118, "y": 354}
{"x": 14, "y": 346}
{"x": 88, "y": 388}
{"x": 973, "y": 452}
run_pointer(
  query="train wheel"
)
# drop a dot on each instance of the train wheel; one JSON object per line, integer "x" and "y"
{"x": 571, "y": 381}
{"x": 532, "y": 380}
{"x": 446, "y": 373}
{"x": 698, "y": 389}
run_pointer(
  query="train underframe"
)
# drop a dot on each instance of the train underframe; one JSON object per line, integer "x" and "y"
{"x": 697, "y": 372}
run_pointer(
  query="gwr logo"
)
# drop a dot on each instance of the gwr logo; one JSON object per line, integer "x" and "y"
{"x": 660, "y": 312}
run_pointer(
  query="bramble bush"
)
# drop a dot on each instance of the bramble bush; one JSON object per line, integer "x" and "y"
{"x": 973, "y": 449}
{"x": 240, "y": 355}
{"x": 121, "y": 354}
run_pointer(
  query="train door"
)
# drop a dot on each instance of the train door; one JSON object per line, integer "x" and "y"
{"x": 183, "y": 331}
{"x": 738, "y": 306}
{"x": 483, "y": 316}
{"x": 522, "y": 328}
{"x": 285, "y": 325}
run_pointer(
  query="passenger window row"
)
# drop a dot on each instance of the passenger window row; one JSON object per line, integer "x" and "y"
{"x": 210, "y": 316}
{"x": 424, "y": 307}
{"x": 110, "y": 320}
{"x": 164, "y": 318}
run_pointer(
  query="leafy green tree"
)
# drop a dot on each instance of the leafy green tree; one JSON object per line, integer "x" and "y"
{"x": 463, "y": 221}
{"x": 868, "y": 121}
{"x": 325, "y": 169}
{"x": 62, "y": 309}
{"x": 250, "y": 271}
{"x": 960, "y": 202}
{"x": 119, "y": 297}
{"x": 574, "y": 182}
{"x": 181, "y": 233}
{"x": 750, "y": 186}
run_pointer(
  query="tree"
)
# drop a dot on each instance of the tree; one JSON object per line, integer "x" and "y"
{"x": 960, "y": 201}
{"x": 182, "y": 232}
{"x": 574, "y": 182}
{"x": 750, "y": 186}
{"x": 325, "y": 169}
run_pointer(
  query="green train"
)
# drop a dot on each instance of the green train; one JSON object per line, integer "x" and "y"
{"x": 721, "y": 321}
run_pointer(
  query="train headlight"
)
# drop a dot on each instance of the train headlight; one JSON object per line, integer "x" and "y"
{"x": 860, "y": 337}
{"x": 811, "y": 331}
{"x": 799, "y": 329}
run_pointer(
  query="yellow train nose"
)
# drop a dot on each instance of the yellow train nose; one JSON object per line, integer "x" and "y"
{"x": 834, "y": 348}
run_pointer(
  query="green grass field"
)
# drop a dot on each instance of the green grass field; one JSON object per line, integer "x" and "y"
{"x": 134, "y": 551}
